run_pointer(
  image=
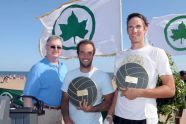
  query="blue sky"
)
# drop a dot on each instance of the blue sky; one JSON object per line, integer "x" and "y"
{"x": 21, "y": 30}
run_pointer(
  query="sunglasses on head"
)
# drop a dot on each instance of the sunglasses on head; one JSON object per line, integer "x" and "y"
{"x": 55, "y": 47}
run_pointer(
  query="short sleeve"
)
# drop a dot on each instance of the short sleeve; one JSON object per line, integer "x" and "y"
{"x": 163, "y": 66}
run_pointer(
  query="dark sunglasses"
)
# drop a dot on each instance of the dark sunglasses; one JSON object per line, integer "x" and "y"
{"x": 54, "y": 47}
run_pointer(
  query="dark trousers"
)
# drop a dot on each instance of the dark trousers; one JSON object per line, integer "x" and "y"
{"x": 119, "y": 120}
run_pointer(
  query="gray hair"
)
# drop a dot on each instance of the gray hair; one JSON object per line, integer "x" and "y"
{"x": 53, "y": 37}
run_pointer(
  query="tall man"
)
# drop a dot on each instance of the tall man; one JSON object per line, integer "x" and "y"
{"x": 44, "y": 81}
{"x": 138, "y": 105}
{"x": 87, "y": 114}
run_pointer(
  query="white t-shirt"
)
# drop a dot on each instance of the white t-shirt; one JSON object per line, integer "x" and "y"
{"x": 155, "y": 62}
{"x": 104, "y": 87}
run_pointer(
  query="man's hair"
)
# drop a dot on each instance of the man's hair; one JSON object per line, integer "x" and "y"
{"x": 182, "y": 73}
{"x": 85, "y": 42}
{"x": 53, "y": 37}
{"x": 130, "y": 16}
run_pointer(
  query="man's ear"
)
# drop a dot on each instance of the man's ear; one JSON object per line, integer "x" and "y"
{"x": 145, "y": 28}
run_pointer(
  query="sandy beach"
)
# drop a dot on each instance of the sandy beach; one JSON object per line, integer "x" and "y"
{"x": 17, "y": 84}
{"x": 183, "y": 118}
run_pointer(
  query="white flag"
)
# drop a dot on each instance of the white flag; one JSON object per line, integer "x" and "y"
{"x": 97, "y": 20}
{"x": 169, "y": 33}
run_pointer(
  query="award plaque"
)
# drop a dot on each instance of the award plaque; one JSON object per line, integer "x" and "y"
{"x": 132, "y": 75}
{"x": 82, "y": 88}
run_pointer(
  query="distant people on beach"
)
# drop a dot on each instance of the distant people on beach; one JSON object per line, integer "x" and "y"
{"x": 44, "y": 81}
{"x": 5, "y": 79}
{"x": 183, "y": 75}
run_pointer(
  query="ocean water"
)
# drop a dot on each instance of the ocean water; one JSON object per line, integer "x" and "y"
{"x": 15, "y": 73}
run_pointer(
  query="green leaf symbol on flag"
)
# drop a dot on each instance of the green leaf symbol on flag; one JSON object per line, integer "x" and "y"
{"x": 97, "y": 20}
{"x": 175, "y": 33}
{"x": 75, "y": 22}
{"x": 179, "y": 33}
{"x": 73, "y": 28}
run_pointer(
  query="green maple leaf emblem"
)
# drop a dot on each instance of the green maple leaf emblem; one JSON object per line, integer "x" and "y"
{"x": 73, "y": 28}
{"x": 179, "y": 33}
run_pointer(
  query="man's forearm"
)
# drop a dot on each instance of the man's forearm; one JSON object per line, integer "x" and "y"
{"x": 65, "y": 108}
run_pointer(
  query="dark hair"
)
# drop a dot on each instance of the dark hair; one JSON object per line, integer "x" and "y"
{"x": 86, "y": 42}
{"x": 132, "y": 15}
{"x": 182, "y": 73}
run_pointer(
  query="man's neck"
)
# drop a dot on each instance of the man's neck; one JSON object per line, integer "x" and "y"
{"x": 137, "y": 45}
{"x": 53, "y": 60}
{"x": 86, "y": 69}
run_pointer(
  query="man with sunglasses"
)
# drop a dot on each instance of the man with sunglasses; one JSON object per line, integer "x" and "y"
{"x": 44, "y": 81}
{"x": 87, "y": 114}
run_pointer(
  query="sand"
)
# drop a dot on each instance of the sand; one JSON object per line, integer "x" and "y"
{"x": 17, "y": 84}
{"x": 183, "y": 118}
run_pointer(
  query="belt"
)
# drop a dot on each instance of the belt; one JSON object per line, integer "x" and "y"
{"x": 51, "y": 107}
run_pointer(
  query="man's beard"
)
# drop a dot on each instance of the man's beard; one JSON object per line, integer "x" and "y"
{"x": 87, "y": 65}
